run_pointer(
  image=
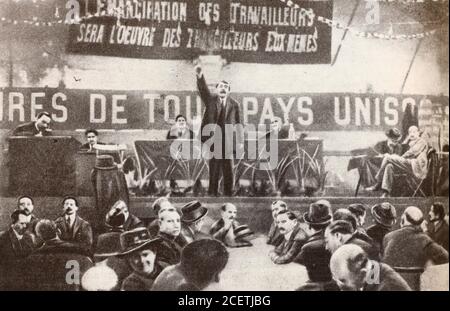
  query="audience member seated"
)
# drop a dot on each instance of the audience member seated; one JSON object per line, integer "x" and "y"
{"x": 409, "y": 250}
{"x": 225, "y": 229}
{"x": 14, "y": 245}
{"x": 437, "y": 228}
{"x": 341, "y": 232}
{"x": 354, "y": 271}
{"x": 73, "y": 228}
{"x": 26, "y": 204}
{"x": 313, "y": 255}
{"x": 160, "y": 205}
{"x": 92, "y": 140}
{"x": 192, "y": 219}
{"x": 413, "y": 162}
{"x": 274, "y": 237}
{"x": 119, "y": 218}
{"x": 107, "y": 253}
{"x": 359, "y": 211}
{"x": 57, "y": 265}
{"x": 384, "y": 216}
{"x": 180, "y": 130}
{"x": 346, "y": 215}
{"x": 294, "y": 237}
{"x": 169, "y": 250}
{"x": 140, "y": 250}
{"x": 40, "y": 127}
{"x": 391, "y": 145}
{"x": 202, "y": 261}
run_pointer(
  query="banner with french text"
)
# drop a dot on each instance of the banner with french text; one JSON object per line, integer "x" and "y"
{"x": 256, "y": 31}
{"x": 114, "y": 109}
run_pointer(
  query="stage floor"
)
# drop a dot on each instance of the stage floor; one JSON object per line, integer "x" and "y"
{"x": 250, "y": 269}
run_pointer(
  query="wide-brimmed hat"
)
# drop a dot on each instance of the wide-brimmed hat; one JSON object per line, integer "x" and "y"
{"x": 319, "y": 213}
{"x": 242, "y": 232}
{"x": 108, "y": 245}
{"x": 384, "y": 214}
{"x": 105, "y": 162}
{"x": 394, "y": 134}
{"x": 136, "y": 239}
{"x": 193, "y": 211}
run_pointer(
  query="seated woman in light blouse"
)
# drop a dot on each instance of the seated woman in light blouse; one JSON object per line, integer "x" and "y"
{"x": 180, "y": 130}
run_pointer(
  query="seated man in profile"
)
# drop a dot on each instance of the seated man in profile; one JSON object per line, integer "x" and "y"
{"x": 92, "y": 139}
{"x": 391, "y": 145}
{"x": 413, "y": 162}
{"x": 180, "y": 130}
{"x": 274, "y": 237}
{"x": 40, "y": 127}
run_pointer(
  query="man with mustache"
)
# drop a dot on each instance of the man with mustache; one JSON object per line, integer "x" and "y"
{"x": 221, "y": 113}
{"x": 40, "y": 127}
{"x": 72, "y": 227}
{"x": 275, "y": 238}
{"x": 26, "y": 204}
{"x": 294, "y": 237}
{"x": 172, "y": 242}
{"x": 224, "y": 229}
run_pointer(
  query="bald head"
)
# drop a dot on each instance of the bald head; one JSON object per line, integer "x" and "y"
{"x": 229, "y": 211}
{"x": 348, "y": 265}
{"x": 412, "y": 216}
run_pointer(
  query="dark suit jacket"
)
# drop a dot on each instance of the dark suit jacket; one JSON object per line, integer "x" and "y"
{"x": 86, "y": 146}
{"x": 411, "y": 247}
{"x": 27, "y": 129}
{"x": 282, "y": 134}
{"x": 11, "y": 248}
{"x": 81, "y": 235}
{"x": 289, "y": 249}
{"x": 382, "y": 147}
{"x": 169, "y": 249}
{"x": 389, "y": 280}
{"x": 212, "y": 109}
{"x": 274, "y": 237}
{"x": 50, "y": 266}
{"x": 439, "y": 233}
{"x": 132, "y": 222}
{"x": 372, "y": 250}
{"x": 173, "y": 134}
{"x": 377, "y": 232}
{"x": 316, "y": 258}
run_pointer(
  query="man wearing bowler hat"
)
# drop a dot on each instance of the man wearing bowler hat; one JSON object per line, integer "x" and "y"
{"x": 392, "y": 144}
{"x": 193, "y": 214}
{"x": 385, "y": 216}
{"x": 313, "y": 255}
{"x": 140, "y": 250}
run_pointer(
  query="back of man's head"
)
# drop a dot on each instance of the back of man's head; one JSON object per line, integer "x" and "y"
{"x": 350, "y": 257}
{"x": 340, "y": 226}
{"x": 412, "y": 216}
{"x": 203, "y": 260}
{"x": 46, "y": 229}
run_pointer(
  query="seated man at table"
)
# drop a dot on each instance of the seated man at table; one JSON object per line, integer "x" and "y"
{"x": 274, "y": 237}
{"x": 92, "y": 139}
{"x": 40, "y": 127}
{"x": 277, "y": 129}
{"x": 413, "y": 162}
{"x": 294, "y": 237}
{"x": 180, "y": 130}
{"x": 227, "y": 229}
{"x": 160, "y": 205}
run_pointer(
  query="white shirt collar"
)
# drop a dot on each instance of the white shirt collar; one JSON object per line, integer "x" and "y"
{"x": 287, "y": 236}
{"x": 71, "y": 218}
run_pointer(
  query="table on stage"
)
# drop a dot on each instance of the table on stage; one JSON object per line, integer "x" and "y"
{"x": 250, "y": 269}
{"x": 156, "y": 154}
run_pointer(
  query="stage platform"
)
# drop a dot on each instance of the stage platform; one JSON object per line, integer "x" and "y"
{"x": 254, "y": 211}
